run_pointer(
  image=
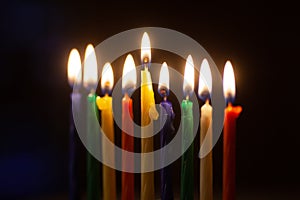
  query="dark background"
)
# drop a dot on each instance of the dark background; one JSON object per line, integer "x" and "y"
{"x": 261, "y": 40}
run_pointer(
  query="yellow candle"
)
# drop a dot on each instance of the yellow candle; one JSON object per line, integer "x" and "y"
{"x": 105, "y": 105}
{"x": 148, "y": 113}
{"x": 206, "y": 169}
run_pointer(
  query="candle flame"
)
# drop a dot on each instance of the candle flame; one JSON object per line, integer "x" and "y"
{"x": 188, "y": 83}
{"x": 90, "y": 75}
{"x": 228, "y": 81}
{"x": 205, "y": 80}
{"x": 164, "y": 78}
{"x": 107, "y": 77}
{"x": 145, "y": 49}
{"x": 74, "y": 67}
{"x": 129, "y": 74}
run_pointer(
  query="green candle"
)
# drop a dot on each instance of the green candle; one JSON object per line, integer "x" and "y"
{"x": 93, "y": 165}
{"x": 187, "y": 164}
{"x": 90, "y": 81}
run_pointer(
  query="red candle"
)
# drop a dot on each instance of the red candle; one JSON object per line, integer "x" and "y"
{"x": 229, "y": 149}
{"x": 128, "y": 84}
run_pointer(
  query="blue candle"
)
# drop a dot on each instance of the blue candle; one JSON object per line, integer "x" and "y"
{"x": 167, "y": 130}
{"x": 74, "y": 143}
{"x": 74, "y": 73}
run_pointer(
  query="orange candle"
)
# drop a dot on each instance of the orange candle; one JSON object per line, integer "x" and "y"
{"x": 229, "y": 149}
{"x": 128, "y": 84}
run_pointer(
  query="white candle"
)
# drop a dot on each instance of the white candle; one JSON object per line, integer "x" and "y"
{"x": 206, "y": 165}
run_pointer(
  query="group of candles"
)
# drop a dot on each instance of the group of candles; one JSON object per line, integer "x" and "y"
{"x": 149, "y": 113}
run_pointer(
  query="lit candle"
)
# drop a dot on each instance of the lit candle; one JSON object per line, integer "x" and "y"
{"x": 167, "y": 130}
{"x": 90, "y": 78}
{"x": 128, "y": 85}
{"x": 187, "y": 163}
{"x": 148, "y": 113}
{"x": 206, "y": 170}
{"x": 107, "y": 123}
{"x": 231, "y": 114}
{"x": 74, "y": 74}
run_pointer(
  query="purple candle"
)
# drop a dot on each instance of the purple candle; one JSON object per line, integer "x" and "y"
{"x": 167, "y": 130}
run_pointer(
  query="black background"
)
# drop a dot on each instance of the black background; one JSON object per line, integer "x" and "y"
{"x": 261, "y": 40}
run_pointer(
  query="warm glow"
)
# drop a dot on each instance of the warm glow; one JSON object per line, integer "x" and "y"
{"x": 146, "y": 48}
{"x": 164, "y": 77}
{"x": 90, "y": 75}
{"x": 74, "y": 67}
{"x": 129, "y": 73}
{"x": 228, "y": 81}
{"x": 107, "y": 77}
{"x": 205, "y": 79}
{"x": 188, "y": 83}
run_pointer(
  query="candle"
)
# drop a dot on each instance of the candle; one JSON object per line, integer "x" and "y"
{"x": 148, "y": 113}
{"x": 128, "y": 85}
{"x": 187, "y": 163}
{"x": 167, "y": 130}
{"x": 107, "y": 123}
{"x": 74, "y": 74}
{"x": 231, "y": 114}
{"x": 206, "y": 170}
{"x": 90, "y": 78}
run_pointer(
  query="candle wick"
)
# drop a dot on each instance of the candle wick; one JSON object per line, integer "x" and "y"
{"x": 75, "y": 91}
{"x": 145, "y": 66}
{"x": 126, "y": 95}
{"x": 207, "y": 101}
{"x": 146, "y": 63}
{"x": 92, "y": 91}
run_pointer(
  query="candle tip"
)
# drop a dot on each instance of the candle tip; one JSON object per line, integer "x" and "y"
{"x": 205, "y": 81}
{"x": 188, "y": 83}
{"x": 146, "y": 50}
{"x": 129, "y": 75}
{"x": 90, "y": 75}
{"x": 107, "y": 78}
{"x": 164, "y": 79}
{"x": 74, "y": 67}
{"x": 229, "y": 82}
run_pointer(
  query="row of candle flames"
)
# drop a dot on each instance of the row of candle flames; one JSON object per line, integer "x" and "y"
{"x": 90, "y": 72}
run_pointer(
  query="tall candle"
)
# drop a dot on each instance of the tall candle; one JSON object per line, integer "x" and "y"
{"x": 74, "y": 73}
{"x": 128, "y": 84}
{"x": 167, "y": 130}
{"x": 206, "y": 169}
{"x": 148, "y": 113}
{"x": 90, "y": 79}
{"x": 187, "y": 162}
{"x": 229, "y": 148}
{"x": 107, "y": 123}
